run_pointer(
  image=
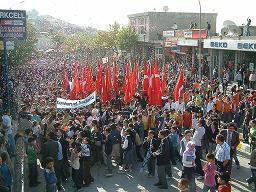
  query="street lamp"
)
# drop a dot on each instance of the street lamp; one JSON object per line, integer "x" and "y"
{"x": 200, "y": 40}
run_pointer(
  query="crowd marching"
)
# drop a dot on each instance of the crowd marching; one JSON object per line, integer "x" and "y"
{"x": 141, "y": 117}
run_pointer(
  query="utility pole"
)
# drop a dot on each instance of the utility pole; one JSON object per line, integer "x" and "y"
{"x": 200, "y": 42}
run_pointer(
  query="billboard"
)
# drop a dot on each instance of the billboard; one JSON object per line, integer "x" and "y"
{"x": 12, "y": 25}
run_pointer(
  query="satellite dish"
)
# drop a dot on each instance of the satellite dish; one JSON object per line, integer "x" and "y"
{"x": 166, "y": 8}
{"x": 230, "y": 29}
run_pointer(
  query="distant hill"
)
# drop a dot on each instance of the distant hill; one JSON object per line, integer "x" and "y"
{"x": 48, "y": 23}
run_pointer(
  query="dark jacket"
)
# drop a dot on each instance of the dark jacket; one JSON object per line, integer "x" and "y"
{"x": 210, "y": 135}
{"x": 164, "y": 153}
{"x": 108, "y": 144}
{"x": 152, "y": 147}
{"x": 235, "y": 137}
{"x": 50, "y": 149}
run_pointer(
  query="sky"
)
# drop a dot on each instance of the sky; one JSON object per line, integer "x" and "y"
{"x": 101, "y": 13}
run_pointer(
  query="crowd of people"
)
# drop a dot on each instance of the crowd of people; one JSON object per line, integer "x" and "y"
{"x": 203, "y": 124}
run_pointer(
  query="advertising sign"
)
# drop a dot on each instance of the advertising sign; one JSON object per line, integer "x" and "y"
{"x": 194, "y": 34}
{"x": 169, "y": 33}
{"x": 241, "y": 45}
{"x": 12, "y": 25}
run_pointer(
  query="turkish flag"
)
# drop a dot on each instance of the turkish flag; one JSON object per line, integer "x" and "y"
{"x": 108, "y": 82}
{"x": 151, "y": 85}
{"x": 145, "y": 79}
{"x": 127, "y": 91}
{"x": 89, "y": 80}
{"x": 65, "y": 84}
{"x": 99, "y": 80}
{"x": 115, "y": 80}
{"x": 164, "y": 79}
{"x": 74, "y": 92}
{"x": 157, "y": 86}
{"x": 125, "y": 80}
{"x": 179, "y": 89}
{"x": 104, "y": 95}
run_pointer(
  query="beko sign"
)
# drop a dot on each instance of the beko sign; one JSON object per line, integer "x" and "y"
{"x": 242, "y": 45}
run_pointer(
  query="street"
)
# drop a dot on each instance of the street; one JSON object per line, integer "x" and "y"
{"x": 135, "y": 182}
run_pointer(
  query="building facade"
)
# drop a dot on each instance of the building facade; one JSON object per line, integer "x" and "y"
{"x": 150, "y": 26}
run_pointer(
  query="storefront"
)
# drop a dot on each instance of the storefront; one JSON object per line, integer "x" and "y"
{"x": 231, "y": 54}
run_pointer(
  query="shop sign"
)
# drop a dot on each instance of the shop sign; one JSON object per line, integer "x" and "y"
{"x": 192, "y": 43}
{"x": 169, "y": 33}
{"x": 195, "y": 34}
{"x": 240, "y": 45}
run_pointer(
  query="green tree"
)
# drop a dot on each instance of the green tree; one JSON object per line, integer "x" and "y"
{"x": 127, "y": 38}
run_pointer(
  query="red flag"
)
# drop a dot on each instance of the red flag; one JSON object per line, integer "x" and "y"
{"x": 125, "y": 80}
{"x": 145, "y": 79}
{"x": 99, "y": 80}
{"x": 179, "y": 89}
{"x": 104, "y": 95}
{"x": 75, "y": 84}
{"x": 127, "y": 91}
{"x": 151, "y": 85}
{"x": 164, "y": 79}
{"x": 108, "y": 82}
{"x": 115, "y": 80}
{"x": 157, "y": 86}
{"x": 65, "y": 84}
{"x": 89, "y": 81}
{"x": 136, "y": 77}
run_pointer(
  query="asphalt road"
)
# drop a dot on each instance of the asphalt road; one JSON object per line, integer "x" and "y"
{"x": 136, "y": 182}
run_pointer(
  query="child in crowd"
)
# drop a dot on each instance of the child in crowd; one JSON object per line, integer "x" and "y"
{"x": 184, "y": 141}
{"x": 128, "y": 151}
{"x": 183, "y": 185}
{"x": 174, "y": 137}
{"x": 50, "y": 176}
{"x": 32, "y": 163}
{"x": 223, "y": 180}
{"x": 75, "y": 152}
{"x": 5, "y": 172}
{"x": 150, "y": 146}
{"x": 86, "y": 162}
{"x": 210, "y": 171}
{"x": 108, "y": 151}
{"x": 188, "y": 160}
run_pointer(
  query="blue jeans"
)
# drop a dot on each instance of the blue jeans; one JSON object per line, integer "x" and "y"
{"x": 11, "y": 147}
{"x": 207, "y": 188}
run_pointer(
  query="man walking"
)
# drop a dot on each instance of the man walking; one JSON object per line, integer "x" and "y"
{"x": 163, "y": 159}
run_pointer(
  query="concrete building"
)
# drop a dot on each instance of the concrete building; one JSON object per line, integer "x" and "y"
{"x": 150, "y": 26}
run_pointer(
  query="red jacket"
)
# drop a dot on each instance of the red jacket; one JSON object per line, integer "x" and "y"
{"x": 187, "y": 119}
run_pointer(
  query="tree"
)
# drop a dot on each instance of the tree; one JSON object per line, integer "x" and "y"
{"x": 25, "y": 49}
{"x": 127, "y": 38}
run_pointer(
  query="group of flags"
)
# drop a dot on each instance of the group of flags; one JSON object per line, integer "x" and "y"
{"x": 106, "y": 84}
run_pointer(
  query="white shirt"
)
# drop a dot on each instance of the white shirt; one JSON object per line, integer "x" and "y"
{"x": 209, "y": 106}
{"x": 179, "y": 106}
{"x": 198, "y": 135}
{"x": 125, "y": 145}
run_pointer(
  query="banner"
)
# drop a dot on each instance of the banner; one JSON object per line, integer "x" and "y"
{"x": 71, "y": 104}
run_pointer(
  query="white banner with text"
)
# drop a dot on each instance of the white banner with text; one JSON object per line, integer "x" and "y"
{"x": 71, "y": 104}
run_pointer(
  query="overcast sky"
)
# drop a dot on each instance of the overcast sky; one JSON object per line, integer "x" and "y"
{"x": 101, "y": 13}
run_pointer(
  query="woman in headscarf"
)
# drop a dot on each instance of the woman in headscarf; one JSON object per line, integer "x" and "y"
{"x": 188, "y": 161}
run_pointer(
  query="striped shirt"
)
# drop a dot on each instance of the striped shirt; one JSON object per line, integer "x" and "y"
{"x": 222, "y": 152}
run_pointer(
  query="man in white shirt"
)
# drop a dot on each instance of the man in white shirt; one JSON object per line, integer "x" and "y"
{"x": 197, "y": 139}
{"x": 180, "y": 105}
{"x": 169, "y": 105}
